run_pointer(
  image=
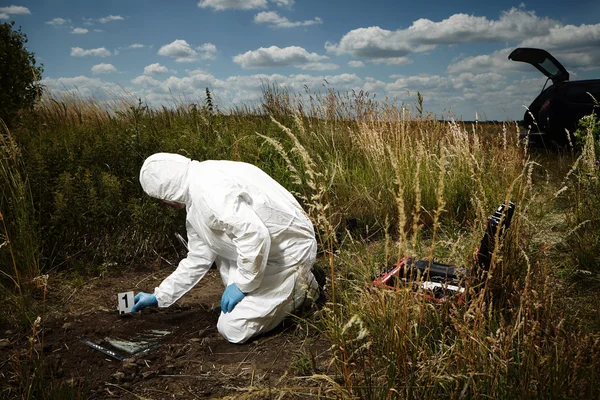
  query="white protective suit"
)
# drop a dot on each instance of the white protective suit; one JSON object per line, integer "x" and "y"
{"x": 250, "y": 226}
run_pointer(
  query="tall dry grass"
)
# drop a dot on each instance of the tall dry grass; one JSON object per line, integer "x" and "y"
{"x": 20, "y": 243}
{"x": 430, "y": 187}
{"x": 380, "y": 181}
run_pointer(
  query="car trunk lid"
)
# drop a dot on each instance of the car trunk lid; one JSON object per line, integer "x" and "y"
{"x": 543, "y": 61}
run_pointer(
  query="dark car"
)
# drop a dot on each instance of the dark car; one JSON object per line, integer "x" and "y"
{"x": 559, "y": 107}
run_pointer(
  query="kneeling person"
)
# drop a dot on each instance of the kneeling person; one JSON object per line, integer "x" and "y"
{"x": 249, "y": 225}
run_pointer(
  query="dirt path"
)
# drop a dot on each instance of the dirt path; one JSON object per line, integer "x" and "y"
{"x": 192, "y": 361}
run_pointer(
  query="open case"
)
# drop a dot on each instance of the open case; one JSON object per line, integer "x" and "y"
{"x": 440, "y": 282}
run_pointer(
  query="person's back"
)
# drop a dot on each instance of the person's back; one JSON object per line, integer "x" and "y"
{"x": 218, "y": 183}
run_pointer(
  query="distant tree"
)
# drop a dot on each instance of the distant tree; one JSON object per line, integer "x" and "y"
{"x": 19, "y": 76}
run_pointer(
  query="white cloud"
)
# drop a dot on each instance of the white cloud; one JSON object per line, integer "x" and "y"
{"x": 6, "y": 12}
{"x": 155, "y": 69}
{"x": 110, "y": 18}
{"x": 236, "y": 89}
{"x": 93, "y": 88}
{"x": 514, "y": 24}
{"x": 573, "y": 46}
{"x": 453, "y": 84}
{"x": 274, "y": 20}
{"x": 103, "y": 69}
{"x": 136, "y": 46}
{"x": 567, "y": 37}
{"x": 489, "y": 94}
{"x": 79, "y": 31}
{"x": 381, "y": 45}
{"x": 146, "y": 81}
{"x": 58, "y": 21}
{"x": 283, "y": 3}
{"x": 208, "y": 51}
{"x": 375, "y": 44}
{"x": 180, "y": 50}
{"x": 356, "y": 64}
{"x": 221, "y": 5}
{"x": 99, "y": 52}
{"x": 497, "y": 61}
{"x": 292, "y": 56}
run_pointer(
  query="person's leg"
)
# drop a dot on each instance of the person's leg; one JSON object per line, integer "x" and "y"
{"x": 260, "y": 311}
{"x": 264, "y": 309}
{"x": 279, "y": 294}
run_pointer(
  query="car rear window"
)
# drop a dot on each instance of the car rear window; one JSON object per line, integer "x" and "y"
{"x": 549, "y": 66}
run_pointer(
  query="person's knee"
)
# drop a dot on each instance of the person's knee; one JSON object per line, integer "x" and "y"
{"x": 234, "y": 331}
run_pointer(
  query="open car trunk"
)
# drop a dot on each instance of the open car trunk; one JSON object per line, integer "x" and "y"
{"x": 543, "y": 61}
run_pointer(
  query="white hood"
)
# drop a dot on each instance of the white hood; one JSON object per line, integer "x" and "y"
{"x": 165, "y": 176}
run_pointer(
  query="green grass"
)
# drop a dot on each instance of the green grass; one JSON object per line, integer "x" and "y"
{"x": 379, "y": 184}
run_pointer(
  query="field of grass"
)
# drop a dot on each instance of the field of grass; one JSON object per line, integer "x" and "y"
{"x": 380, "y": 181}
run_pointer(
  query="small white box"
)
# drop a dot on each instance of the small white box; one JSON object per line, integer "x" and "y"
{"x": 125, "y": 302}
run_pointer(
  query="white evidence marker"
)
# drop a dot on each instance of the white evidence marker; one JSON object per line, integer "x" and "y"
{"x": 125, "y": 302}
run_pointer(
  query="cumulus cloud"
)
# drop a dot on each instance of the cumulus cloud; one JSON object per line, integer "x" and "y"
{"x": 87, "y": 87}
{"x": 237, "y": 89}
{"x": 110, "y": 18}
{"x": 292, "y": 56}
{"x": 103, "y": 69}
{"x": 79, "y": 31}
{"x": 381, "y": 45}
{"x": 221, "y": 5}
{"x": 208, "y": 51}
{"x": 573, "y": 46}
{"x": 375, "y": 44}
{"x": 146, "y": 81}
{"x": 180, "y": 50}
{"x": 6, "y": 12}
{"x": 274, "y": 20}
{"x": 58, "y": 21}
{"x": 283, "y": 3}
{"x": 356, "y": 64}
{"x": 583, "y": 37}
{"x": 99, "y": 52}
{"x": 155, "y": 69}
{"x": 503, "y": 97}
{"x": 496, "y": 61}
{"x": 514, "y": 24}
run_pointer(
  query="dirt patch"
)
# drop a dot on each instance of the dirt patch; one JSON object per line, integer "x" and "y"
{"x": 192, "y": 360}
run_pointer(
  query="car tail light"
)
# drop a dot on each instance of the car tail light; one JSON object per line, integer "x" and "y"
{"x": 546, "y": 104}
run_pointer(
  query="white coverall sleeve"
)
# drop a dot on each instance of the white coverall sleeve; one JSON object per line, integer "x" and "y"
{"x": 188, "y": 273}
{"x": 253, "y": 242}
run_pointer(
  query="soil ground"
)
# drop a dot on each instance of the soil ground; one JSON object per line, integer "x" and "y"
{"x": 192, "y": 362}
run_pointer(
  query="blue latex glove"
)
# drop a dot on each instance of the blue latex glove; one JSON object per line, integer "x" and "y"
{"x": 231, "y": 296}
{"x": 143, "y": 300}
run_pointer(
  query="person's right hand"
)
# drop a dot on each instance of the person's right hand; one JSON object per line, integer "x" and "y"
{"x": 143, "y": 300}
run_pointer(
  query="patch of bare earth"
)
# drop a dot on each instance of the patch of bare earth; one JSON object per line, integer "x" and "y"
{"x": 193, "y": 361}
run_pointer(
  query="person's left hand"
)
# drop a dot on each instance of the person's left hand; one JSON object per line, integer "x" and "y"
{"x": 231, "y": 296}
{"x": 143, "y": 300}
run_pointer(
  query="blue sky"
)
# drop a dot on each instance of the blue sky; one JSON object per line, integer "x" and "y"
{"x": 454, "y": 53}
